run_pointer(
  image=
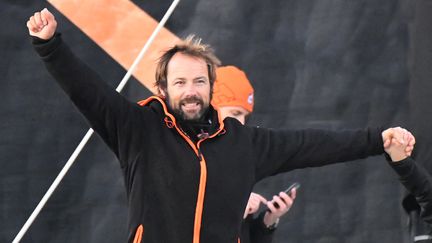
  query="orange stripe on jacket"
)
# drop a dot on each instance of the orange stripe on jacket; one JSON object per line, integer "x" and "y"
{"x": 203, "y": 167}
{"x": 138, "y": 234}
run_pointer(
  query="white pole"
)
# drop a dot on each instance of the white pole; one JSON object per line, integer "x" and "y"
{"x": 90, "y": 132}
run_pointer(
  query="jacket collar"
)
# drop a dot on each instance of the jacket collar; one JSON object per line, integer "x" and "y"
{"x": 213, "y": 119}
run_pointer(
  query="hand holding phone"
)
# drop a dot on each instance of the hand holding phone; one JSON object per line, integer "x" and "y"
{"x": 288, "y": 191}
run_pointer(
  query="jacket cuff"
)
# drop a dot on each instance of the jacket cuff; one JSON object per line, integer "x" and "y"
{"x": 377, "y": 144}
{"x": 403, "y": 168}
{"x": 264, "y": 229}
{"x": 46, "y": 47}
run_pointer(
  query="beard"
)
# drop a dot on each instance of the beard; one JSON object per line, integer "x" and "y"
{"x": 181, "y": 111}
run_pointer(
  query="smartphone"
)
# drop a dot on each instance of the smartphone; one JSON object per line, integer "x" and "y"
{"x": 295, "y": 185}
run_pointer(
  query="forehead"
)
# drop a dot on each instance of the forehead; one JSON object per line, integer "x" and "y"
{"x": 234, "y": 109}
{"x": 186, "y": 66}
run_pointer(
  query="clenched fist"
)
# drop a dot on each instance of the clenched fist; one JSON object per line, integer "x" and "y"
{"x": 402, "y": 136}
{"x": 42, "y": 24}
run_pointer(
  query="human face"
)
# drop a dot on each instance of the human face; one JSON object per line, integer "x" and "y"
{"x": 188, "y": 86}
{"x": 236, "y": 112}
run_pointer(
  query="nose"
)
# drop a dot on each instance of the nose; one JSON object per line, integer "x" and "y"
{"x": 190, "y": 90}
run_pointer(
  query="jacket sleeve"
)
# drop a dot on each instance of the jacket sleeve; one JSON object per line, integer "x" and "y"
{"x": 108, "y": 112}
{"x": 280, "y": 151}
{"x": 259, "y": 233}
{"x": 418, "y": 182}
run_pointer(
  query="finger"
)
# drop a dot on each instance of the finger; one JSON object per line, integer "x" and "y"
{"x": 248, "y": 209}
{"x": 293, "y": 194}
{"x": 408, "y": 151}
{"x": 261, "y": 198}
{"x": 399, "y": 137}
{"x": 47, "y": 15}
{"x": 271, "y": 206}
{"x": 402, "y": 135}
{"x": 35, "y": 26}
{"x": 387, "y": 143}
{"x": 399, "y": 134}
{"x": 395, "y": 142}
{"x": 405, "y": 135}
{"x": 246, "y": 213}
{"x": 257, "y": 201}
{"x": 280, "y": 202}
{"x": 255, "y": 204}
{"x": 252, "y": 200}
{"x": 286, "y": 199}
{"x": 43, "y": 16}
{"x": 386, "y": 134}
{"x": 285, "y": 196}
{"x": 31, "y": 26}
{"x": 33, "y": 22}
{"x": 38, "y": 20}
{"x": 412, "y": 140}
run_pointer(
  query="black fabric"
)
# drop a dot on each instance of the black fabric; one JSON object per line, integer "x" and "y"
{"x": 418, "y": 182}
{"x": 196, "y": 130}
{"x": 313, "y": 64}
{"x": 253, "y": 230}
{"x": 162, "y": 172}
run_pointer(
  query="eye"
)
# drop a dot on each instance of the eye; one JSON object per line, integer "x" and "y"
{"x": 179, "y": 82}
{"x": 200, "y": 80}
{"x": 236, "y": 113}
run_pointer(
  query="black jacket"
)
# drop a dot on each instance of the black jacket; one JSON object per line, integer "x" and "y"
{"x": 181, "y": 191}
{"x": 254, "y": 230}
{"x": 418, "y": 182}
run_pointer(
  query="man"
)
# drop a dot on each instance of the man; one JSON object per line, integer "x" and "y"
{"x": 233, "y": 96}
{"x": 188, "y": 174}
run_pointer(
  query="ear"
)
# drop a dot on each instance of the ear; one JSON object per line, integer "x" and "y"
{"x": 162, "y": 92}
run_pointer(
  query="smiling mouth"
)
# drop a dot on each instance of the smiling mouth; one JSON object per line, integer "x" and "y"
{"x": 191, "y": 106}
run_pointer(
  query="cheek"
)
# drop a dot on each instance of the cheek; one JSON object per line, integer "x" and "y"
{"x": 205, "y": 93}
{"x": 174, "y": 94}
{"x": 242, "y": 119}
{"x": 223, "y": 113}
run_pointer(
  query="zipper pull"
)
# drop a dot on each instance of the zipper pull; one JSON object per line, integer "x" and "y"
{"x": 203, "y": 135}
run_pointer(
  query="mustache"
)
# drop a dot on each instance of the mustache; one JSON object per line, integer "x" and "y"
{"x": 192, "y": 99}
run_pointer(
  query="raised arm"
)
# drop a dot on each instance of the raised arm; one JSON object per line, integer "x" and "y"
{"x": 106, "y": 110}
{"x": 42, "y": 25}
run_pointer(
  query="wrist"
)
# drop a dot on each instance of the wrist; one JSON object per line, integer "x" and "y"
{"x": 396, "y": 157}
{"x": 272, "y": 226}
{"x": 270, "y": 221}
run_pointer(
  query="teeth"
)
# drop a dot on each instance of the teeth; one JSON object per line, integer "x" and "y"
{"x": 191, "y": 104}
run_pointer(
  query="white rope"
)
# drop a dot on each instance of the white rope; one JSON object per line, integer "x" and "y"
{"x": 90, "y": 132}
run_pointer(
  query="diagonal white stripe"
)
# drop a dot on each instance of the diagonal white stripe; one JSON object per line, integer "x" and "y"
{"x": 422, "y": 237}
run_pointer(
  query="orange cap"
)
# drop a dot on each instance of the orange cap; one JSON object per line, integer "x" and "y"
{"x": 232, "y": 88}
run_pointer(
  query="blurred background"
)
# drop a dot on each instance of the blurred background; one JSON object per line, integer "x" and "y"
{"x": 318, "y": 63}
